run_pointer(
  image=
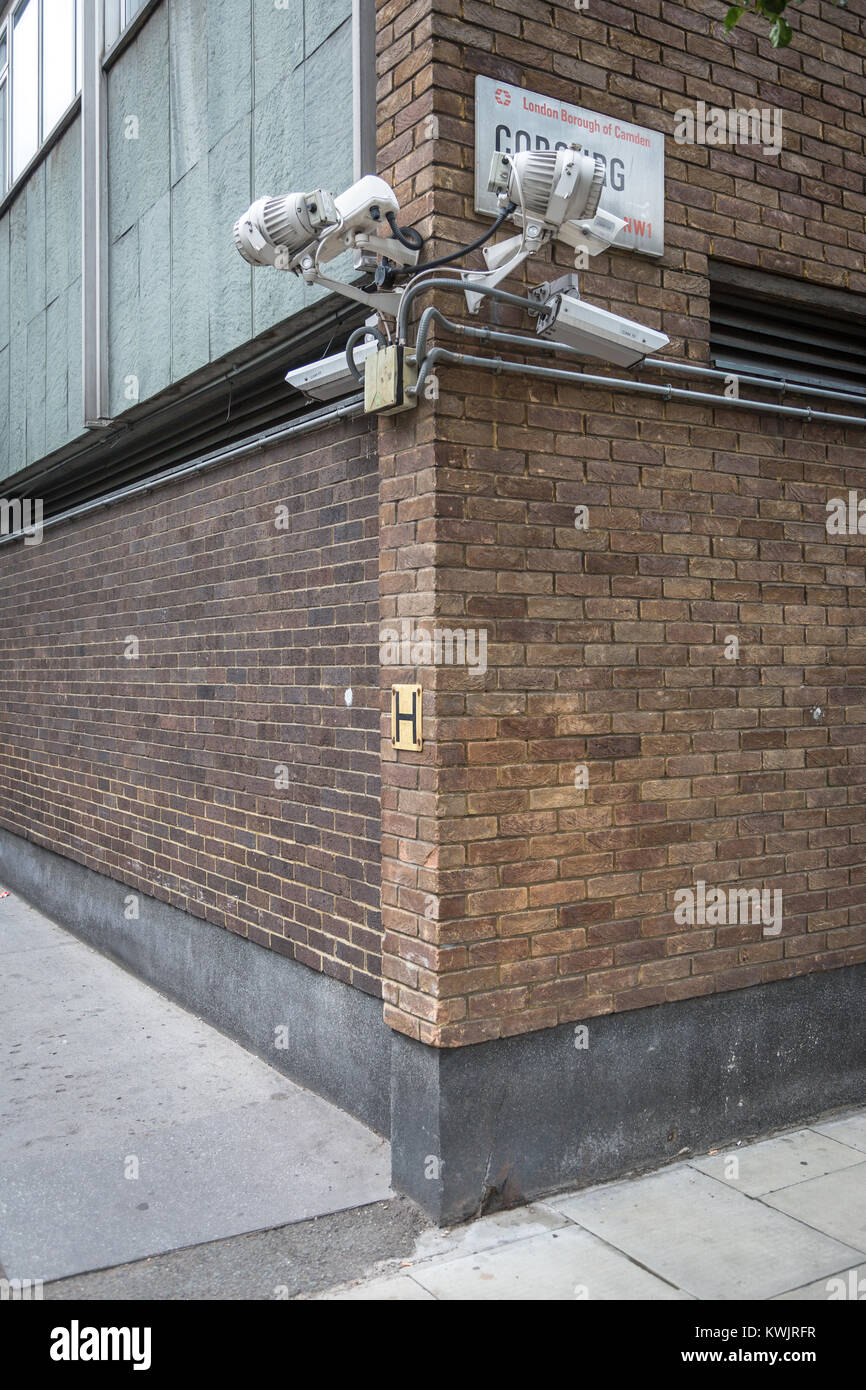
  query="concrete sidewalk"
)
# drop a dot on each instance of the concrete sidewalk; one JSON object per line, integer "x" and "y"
{"x": 145, "y": 1155}
{"x": 128, "y": 1127}
{"x": 784, "y": 1218}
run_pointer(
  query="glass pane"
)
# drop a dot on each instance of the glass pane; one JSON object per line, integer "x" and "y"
{"x": 2, "y": 138}
{"x": 112, "y": 22}
{"x": 132, "y": 8}
{"x": 58, "y": 60}
{"x": 2, "y": 50}
{"x": 25, "y": 94}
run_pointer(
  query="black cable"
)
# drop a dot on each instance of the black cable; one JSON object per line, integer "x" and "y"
{"x": 464, "y": 250}
{"x": 404, "y": 235}
{"x": 366, "y": 330}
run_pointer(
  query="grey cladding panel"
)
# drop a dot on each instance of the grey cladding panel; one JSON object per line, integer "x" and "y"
{"x": 229, "y": 66}
{"x": 154, "y": 312}
{"x": 4, "y": 280}
{"x": 56, "y": 374}
{"x": 123, "y": 320}
{"x": 214, "y": 102}
{"x": 189, "y": 274}
{"x": 36, "y": 393}
{"x": 321, "y": 18}
{"x": 229, "y": 276}
{"x": 4, "y": 412}
{"x": 188, "y": 85}
{"x": 152, "y": 148}
{"x": 278, "y": 44}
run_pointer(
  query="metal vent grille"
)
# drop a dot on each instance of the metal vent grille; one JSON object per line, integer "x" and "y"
{"x": 752, "y": 331}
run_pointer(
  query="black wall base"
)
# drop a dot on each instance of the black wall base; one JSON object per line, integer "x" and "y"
{"x": 477, "y": 1128}
{"x": 336, "y": 1042}
{"x": 481, "y": 1127}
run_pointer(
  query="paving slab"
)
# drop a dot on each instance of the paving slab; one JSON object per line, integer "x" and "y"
{"x": 95, "y": 1055}
{"x": 834, "y": 1204}
{"x": 851, "y": 1129}
{"x": 776, "y": 1163}
{"x": 845, "y": 1286}
{"x": 399, "y": 1288}
{"x": 22, "y": 928}
{"x": 497, "y": 1229}
{"x": 705, "y": 1238}
{"x": 568, "y": 1264}
{"x": 128, "y": 1127}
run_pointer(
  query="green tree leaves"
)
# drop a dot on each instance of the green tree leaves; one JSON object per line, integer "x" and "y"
{"x": 773, "y": 11}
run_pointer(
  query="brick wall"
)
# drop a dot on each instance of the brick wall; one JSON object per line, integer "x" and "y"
{"x": 514, "y": 900}
{"x": 160, "y": 771}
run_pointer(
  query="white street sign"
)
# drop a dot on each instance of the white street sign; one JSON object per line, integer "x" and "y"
{"x": 510, "y": 119}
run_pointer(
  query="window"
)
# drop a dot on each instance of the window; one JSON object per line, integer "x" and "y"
{"x": 25, "y": 85}
{"x": 766, "y": 325}
{"x": 118, "y": 14}
{"x": 58, "y": 60}
{"x": 40, "y": 75}
{"x": 4, "y": 83}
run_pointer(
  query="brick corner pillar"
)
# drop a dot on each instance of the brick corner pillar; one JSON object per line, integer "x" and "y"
{"x": 551, "y": 1022}
{"x": 415, "y": 109}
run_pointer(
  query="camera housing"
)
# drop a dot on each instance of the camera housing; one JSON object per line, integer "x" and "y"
{"x": 566, "y": 318}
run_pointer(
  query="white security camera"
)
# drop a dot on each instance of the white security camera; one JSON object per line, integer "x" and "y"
{"x": 274, "y": 229}
{"x": 549, "y": 194}
{"x": 549, "y": 186}
{"x": 280, "y": 231}
{"x": 300, "y": 231}
{"x": 566, "y": 318}
{"x": 557, "y": 194}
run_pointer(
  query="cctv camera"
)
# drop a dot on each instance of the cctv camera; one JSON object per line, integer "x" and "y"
{"x": 566, "y": 318}
{"x": 550, "y": 186}
{"x": 302, "y": 230}
{"x": 274, "y": 229}
{"x": 363, "y": 222}
{"x": 557, "y": 193}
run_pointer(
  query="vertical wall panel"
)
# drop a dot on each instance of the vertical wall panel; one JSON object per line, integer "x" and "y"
{"x": 152, "y": 109}
{"x": 154, "y": 309}
{"x": 189, "y": 273}
{"x": 278, "y": 45}
{"x": 18, "y": 333}
{"x": 122, "y": 101}
{"x": 36, "y": 393}
{"x": 229, "y": 66}
{"x": 4, "y": 280}
{"x": 321, "y": 18}
{"x": 123, "y": 321}
{"x": 5, "y": 462}
{"x": 188, "y": 85}
{"x": 229, "y": 276}
{"x": 328, "y": 142}
{"x": 74, "y": 390}
{"x": 213, "y": 103}
{"x": 279, "y": 144}
{"x": 34, "y": 197}
{"x": 56, "y": 374}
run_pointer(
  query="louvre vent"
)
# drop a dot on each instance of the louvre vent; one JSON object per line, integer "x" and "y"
{"x": 754, "y": 330}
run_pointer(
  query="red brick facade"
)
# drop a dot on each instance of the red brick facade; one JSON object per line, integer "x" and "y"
{"x": 513, "y": 900}
{"x": 161, "y": 770}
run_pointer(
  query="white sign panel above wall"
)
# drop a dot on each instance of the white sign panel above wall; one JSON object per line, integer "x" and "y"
{"x": 510, "y": 119}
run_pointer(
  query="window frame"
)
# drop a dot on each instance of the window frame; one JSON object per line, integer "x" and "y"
{"x": 13, "y": 181}
{"x": 129, "y": 26}
{"x": 4, "y": 109}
